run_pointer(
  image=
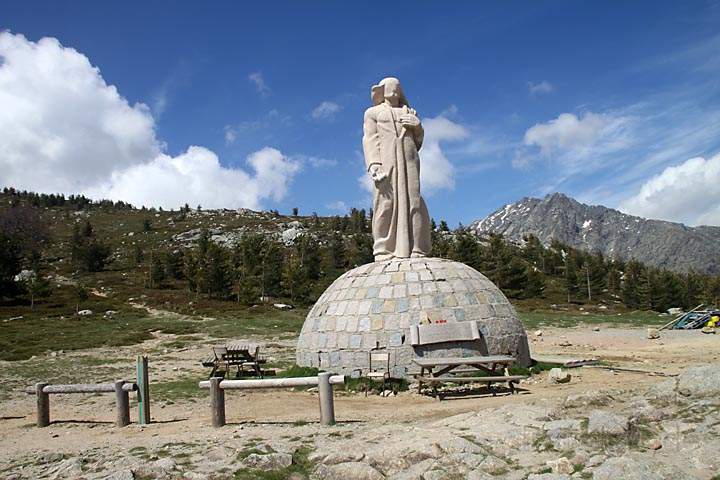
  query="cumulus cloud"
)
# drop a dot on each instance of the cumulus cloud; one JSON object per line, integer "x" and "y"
{"x": 539, "y": 88}
{"x": 686, "y": 193}
{"x": 325, "y": 111}
{"x": 566, "y": 131}
{"x": 197, "y": 177}
{"x": 437, "y": 172}
{"x": 258, "y": 80}
{"x": 63, "y": 129}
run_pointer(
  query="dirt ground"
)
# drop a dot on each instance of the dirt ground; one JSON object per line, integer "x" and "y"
{"x": 84, "y": 422}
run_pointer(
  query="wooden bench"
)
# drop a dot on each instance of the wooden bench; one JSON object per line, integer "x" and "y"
{"x": 447, "y": 369}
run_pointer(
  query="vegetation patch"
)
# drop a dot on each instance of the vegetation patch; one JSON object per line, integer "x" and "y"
{"x": 300, "y": 466}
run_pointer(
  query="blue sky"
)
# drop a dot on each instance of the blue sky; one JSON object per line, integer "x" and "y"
{"x": 615, "y": 103}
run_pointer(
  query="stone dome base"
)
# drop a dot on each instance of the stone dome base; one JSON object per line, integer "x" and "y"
{"x": 372, "y": 307}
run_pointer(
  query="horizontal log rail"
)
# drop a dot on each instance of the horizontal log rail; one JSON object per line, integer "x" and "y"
{"x": 122, "y": 401}
{"x": 324, "y": 381}
{"x": 273, "y": 383}
{"x": 83, "y": 388}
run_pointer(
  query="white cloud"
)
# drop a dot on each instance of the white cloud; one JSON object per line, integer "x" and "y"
{"x": 63, "y": 129}
{"x": 325, "y": 111}
{"x": 197, "y": 177}
{"x": 259, "y": 81}
{"x": 540, "y": 88}
{"x": 338, "y": 206}
{"x": 436, "y": 171}
{"x": 686, "y": 193}
{"x": 567, "y": 131}
{"x": 318, "y": 162}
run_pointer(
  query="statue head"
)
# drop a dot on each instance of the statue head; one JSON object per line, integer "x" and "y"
{"x": 389, "y": 88}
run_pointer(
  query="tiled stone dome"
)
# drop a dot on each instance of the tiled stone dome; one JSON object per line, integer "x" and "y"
{"x": 373, "y": 306}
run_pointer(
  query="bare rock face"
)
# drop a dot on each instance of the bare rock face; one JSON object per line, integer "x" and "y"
{"x": 374, "y": 305}
{"x": 594, "y": 227}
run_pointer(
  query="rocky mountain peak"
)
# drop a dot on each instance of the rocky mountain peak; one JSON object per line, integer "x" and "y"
{"x": 617, "y": 235}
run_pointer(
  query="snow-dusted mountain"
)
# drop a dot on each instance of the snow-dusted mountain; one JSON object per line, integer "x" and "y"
{"x": 618, "y": 235}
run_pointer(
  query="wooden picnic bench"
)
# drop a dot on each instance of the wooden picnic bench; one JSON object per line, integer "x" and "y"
{"x": 235, "y": 355}
{"x": 434, "y": 371}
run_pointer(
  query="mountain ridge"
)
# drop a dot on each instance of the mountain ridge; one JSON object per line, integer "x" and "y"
{"x": 616, "y": 234}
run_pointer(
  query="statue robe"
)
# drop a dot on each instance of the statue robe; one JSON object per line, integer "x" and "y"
{"x": 400, "y": 223}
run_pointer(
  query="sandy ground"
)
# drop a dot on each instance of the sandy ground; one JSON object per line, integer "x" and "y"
{"x": 84, "y": 422}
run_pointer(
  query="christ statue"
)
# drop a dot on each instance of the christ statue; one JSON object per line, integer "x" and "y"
{"x": 392, "y": 137}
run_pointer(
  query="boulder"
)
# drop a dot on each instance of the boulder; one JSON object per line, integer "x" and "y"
{"x": 637, "y": 467}
{"x": 700, "y": 381}
{"x": 270, "y": 461}
{"x": 561, "y": 465}
{"x": 558, "y": 375}
{"x": 347, "y": 471}
{"x": 607, "y": 423}
{"x": 653, "y": 333}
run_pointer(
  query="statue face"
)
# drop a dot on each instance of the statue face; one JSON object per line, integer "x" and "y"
{"x": 393, "y": 92}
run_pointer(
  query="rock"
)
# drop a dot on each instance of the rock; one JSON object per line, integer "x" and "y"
{"x": 674, "y": 311}
{"x": 597, "y": 329}
{"x": 548, "y": 476}
{"x": 637, "y": 467}
{"x": 83, "y": 313}
{"x": 121, "y": 475}
{"x": 654, "y": 444}
{"x": 653, "y": 333}
{"x": 165, "y": 464}
{"x": 386, "y": 393}
{"x": 595, "y": 460}
{"x": 558, "y": 375}
{"x": 565, "y": 343}
{"x": 587, "y": 399}
{"x": 437, "y": 475}
{"x": 493, "y": 465}
{"x": 342, "y": 457}
{"x": 70, "y": 468}
{"x": 270, "y": 461}
{"x": 607, "y": 423}
{"x": 538, "y": 333}
{"x": 561, "y": 465}
{"x": 700, "y": 381}
{"x": 479, "y": 475}
{"x": 348, "y": 471}
{"x": 283, "y": 306}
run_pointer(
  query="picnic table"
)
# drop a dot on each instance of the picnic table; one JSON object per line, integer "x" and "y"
{"x": 235, "y": 355}
{"x": 434, "y": 371}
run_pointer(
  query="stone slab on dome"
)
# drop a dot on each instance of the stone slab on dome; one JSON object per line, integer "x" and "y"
{"x": 372, "y": 307}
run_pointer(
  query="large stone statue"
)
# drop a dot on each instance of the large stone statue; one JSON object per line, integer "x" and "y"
{"x": 392, "y": 138}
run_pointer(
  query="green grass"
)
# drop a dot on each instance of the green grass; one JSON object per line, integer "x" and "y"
{"x": 33, "y": 335}
{"x": 174, "y": 390}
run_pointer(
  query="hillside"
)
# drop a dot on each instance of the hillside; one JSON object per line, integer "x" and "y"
{"x": 617, "y": 235}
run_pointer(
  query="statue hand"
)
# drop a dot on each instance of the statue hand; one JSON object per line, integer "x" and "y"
{"x": 377, "y": 173}
{"x": 409, "y": 120}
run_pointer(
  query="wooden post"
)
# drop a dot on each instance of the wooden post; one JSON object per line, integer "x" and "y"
{"x": 143, "y": 383}
{"x": 217, "y": 402}
{"x": 122, "y": 402}
{"x": 43, "y": 405}
{"x": 327, "y": 405}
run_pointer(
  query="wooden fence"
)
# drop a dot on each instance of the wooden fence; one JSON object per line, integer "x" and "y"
{"x": 122, "y": 401}
{"x": 324, "y": 382}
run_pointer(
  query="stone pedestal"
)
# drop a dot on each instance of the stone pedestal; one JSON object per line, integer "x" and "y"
{"x": 373, "y": 306}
